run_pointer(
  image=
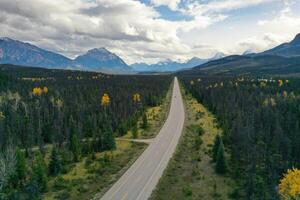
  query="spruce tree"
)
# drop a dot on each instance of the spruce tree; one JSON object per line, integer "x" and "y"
{"x": 134, "y": 131}
{"x": 221, "y": 166}
{"x": 75, "y": 147}
{"x": 108, "y": 142}
{"x": 216, "y": 147}
{"x": 21, "y": 165}
{"x": 145, "y": 121}
{"x": 55, "y": 163}
{"x": 39, "y": 172}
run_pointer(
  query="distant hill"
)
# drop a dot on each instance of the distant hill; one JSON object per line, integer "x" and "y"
{"x": 171, "y": 66}
{"x": 281, "y": 60}
{"x": 19, "y": 53}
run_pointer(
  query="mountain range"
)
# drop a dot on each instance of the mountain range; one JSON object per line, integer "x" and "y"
{"x": 25, "y": 54}
{"x": 171, "y": 66}
{"x": 283, "y": 59}
{"x": 280, "y": 60}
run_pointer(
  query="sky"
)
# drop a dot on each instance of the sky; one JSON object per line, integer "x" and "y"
{"x": 151, "y": 30}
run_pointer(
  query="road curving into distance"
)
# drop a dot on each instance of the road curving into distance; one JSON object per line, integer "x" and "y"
{"x": 138, "y": 182}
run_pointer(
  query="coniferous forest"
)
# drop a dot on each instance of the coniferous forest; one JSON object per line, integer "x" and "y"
{"x": 260, "y": 119}
{"x": 76, "y": 112}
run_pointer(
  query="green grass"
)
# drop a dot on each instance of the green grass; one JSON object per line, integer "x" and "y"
{"x": 88, "y": 177}
{"x": 190, "y": 173}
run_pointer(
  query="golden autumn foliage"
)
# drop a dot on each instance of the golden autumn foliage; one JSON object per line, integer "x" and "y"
{"x": 289, "y": 186}
{"x": 105, "y": 100}
{"x": 269, "y": 102}
{"x": 280, "y": 83}
{"x": 262, "y": 84}
{"x": 136, "y": 98}
{"x": 2, "y": 115}
{"x": 45, "y": 90}
{"x": 37, "y": 91}
{"x": 284, "y": 94}
{"x": 192, "y": 82}
{"x": 287, "y": 81}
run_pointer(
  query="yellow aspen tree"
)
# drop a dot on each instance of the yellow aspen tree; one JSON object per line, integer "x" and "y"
{"x": 136, "y": 98}
{"x": 37, "y": 91}
{"x": 105, "y": 100}
{"x": 280, "y": 83}
{"x": 2, "y": 115}
{"x": 45, "y": 90}
{"x": 289, "y": 186}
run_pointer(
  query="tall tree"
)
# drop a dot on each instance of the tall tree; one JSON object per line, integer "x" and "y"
{"x": 216, "y": 147}
{"x": 55, "y": 162}
{"x": 221, "y": 165}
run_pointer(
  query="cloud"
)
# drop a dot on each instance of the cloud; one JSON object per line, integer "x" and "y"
{"x": 258, "y": 44}
{"x": 132, "y": 29}
{"x": 172, "y": 4}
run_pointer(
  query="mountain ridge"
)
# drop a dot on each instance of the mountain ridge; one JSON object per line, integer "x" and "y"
{"x": 25, "y": 54}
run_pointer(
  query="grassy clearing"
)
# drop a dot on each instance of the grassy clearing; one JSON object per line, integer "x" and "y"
{"x": 190, "y": 173}
{"x": 91, "y": 176}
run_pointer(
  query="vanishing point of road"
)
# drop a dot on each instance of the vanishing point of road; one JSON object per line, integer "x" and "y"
{"x": 138, "y": 182}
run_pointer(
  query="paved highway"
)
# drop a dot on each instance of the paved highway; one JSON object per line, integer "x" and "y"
{"x": 138, "y": 182}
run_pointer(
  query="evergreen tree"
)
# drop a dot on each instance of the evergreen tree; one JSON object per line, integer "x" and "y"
{"x": 21, "y": 165}
{"x": 145, "y": 121}
{"x": 221, "y": 166}
{"x": 39, "y": 170}
{"x": 134, "y": 131}
{"x": 108, "y": 142}
{"x": 216, "y": 147}
{"x": 75, "y": 147}
{"x": 55, "y": 162}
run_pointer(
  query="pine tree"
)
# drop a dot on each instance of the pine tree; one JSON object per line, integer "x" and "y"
{"x": 39, "y": 170}
{"x": 55, "y": 162}
{"x": 75, "y": 147}
{"x": 108, "y": 142}
{"x": 134, "y": 131}
{"x": 21, "y": 165}
{"x": 216, "y": 147}
{"x": 221, "y": 166}
{"x": 145, "y": 121}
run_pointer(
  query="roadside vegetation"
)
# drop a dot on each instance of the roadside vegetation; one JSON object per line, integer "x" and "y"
{"x": 260, "y": 119}
{"x": 191, "y": 173}
{"x": 58, "y": 129}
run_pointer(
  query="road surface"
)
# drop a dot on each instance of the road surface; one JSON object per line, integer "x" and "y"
{"x": 138, "y": 182}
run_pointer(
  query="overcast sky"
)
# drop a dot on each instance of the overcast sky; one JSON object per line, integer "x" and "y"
{"x": 151, "y": 30}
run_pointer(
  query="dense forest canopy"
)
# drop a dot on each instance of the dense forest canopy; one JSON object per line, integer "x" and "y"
{"x": 41, "y": 106}
{"x": 74, "y": 113}
{"x": 260, "y": 118}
